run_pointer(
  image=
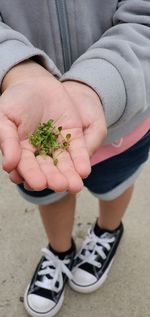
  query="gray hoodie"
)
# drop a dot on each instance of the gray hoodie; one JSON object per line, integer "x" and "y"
{"x": 102, "y": 43}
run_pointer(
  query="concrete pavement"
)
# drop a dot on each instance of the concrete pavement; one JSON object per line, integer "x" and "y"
{"x": 126, "y": 293}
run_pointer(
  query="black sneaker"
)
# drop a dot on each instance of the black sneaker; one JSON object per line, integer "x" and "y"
{"x": 45, "y": 294}
{"x": 94, "y": 260}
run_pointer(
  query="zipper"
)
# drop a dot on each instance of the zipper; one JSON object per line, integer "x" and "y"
{"x": 64, "y": 33}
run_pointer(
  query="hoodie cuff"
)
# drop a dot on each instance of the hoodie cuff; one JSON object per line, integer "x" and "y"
{"x": 105, "y": 79}
{"x": 19, "y": 52}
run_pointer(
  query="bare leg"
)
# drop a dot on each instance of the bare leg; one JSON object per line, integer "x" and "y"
{"x": 58, "y": 220}
{"x": 111, "y": 212}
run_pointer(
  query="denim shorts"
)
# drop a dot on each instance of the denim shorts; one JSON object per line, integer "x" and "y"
{"x": 108, "y": 179}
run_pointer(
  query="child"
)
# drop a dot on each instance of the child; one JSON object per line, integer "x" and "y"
{"x": 93, "y": 79}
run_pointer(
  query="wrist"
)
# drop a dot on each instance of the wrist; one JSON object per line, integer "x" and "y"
{"x": 22, "y": 72}
{"x": 75, "y": 87}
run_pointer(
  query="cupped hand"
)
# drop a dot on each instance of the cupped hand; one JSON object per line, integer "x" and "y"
{"x": 30, "y": 100}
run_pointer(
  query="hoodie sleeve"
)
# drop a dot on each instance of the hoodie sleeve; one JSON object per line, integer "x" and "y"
{"x": 117, "y": 66}
{"x": 15, "y": 48}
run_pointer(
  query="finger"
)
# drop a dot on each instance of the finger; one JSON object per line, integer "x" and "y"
{"x": 9, "y": 144}
{"x": 79, "y": 153}
{"x": 65, "y": 165}
{"x": 55, "y": 179}
{"x": 27, "y": 187}
{"x": 30, "y": 171}
{"x": 15, "y": 177}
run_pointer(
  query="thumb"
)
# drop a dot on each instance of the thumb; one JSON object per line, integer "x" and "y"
{"x": 9, "y": 144}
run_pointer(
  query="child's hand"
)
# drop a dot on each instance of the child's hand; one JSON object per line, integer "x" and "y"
{"x": 31, "y": 95}
{"x": 88, "y": 104}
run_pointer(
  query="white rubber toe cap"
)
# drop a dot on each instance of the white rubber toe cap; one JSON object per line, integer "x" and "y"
{"x": 40, "y": 304}
{"x": 83, "y": 278}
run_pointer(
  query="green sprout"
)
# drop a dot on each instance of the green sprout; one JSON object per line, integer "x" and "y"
{"x": 47, "y": 139}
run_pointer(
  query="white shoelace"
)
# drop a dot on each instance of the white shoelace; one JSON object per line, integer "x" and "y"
{"x": 54, "y": 267}
{"x": 91, "y": 248}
